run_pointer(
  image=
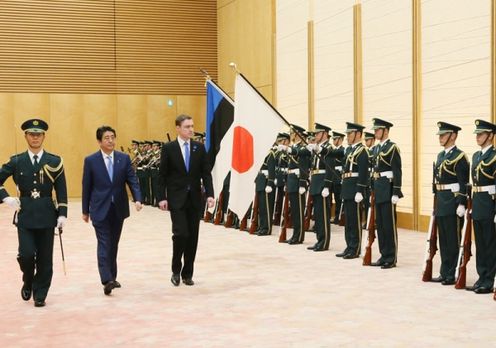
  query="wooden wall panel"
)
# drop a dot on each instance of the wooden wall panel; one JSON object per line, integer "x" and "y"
{"x": 107, "y": 46}
{"x": 245, "y": 37}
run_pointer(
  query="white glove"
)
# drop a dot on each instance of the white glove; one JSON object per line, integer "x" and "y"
{"x": 281, "y": 147}
{"x": 302, "y": 190}
{"x": 395, "y": 199}
{"x": 460, "y": 211}
{"x": 274, "y": 147}
{"x": 310, "y": 147}
{"x": 317, "y": 148}
{"x": 325, "y": 192}
{"x": 358, "y": 197}
{"x": 268, "y": 189}
{"x": 275, "y": 182}
{"x": 495, "y": 219}
{"x": 12, "y": 202}
{"x": 288, "y": 149}
{"x": 61, "y": 221}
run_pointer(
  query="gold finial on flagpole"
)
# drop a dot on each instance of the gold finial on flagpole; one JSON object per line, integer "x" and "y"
{"x": 234, "y": 66}
{"x": 206, "y": 75}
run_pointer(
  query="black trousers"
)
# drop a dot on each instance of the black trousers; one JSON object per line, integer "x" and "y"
{"x": 322, "y": 209}
{"x": 485, "y": 252}
{"x": 449, "y": 228}
{"x": 385, "y": 222}
{"x": 185, "y": 226}
{"x": 108, "y": 234}
{"x": 352, "y": 228}
{"x": 35, "y": 258}
{"x": 297, "y": 204}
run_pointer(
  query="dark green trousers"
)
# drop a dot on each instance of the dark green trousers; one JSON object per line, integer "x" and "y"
{"x": 336, "y": 192}
{"x": 387, "y": 234}
{"x": 485, "y": 252}
{"x": 449, "y": 228}
{"x": 265, "y": 211}
{"x": 35, "y": 258}
{"x": 297, "y": 204}
{"x": 321, "y": 210}
{"x": 352, "y": 227}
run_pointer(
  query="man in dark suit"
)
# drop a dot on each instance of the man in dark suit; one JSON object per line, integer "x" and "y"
{"x": 183, "y": 167}
{"x": 105, "y": 200}
{"x": 36, "y": 173}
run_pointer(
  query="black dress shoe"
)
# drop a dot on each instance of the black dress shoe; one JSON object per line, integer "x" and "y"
{"x": 472, "y": 288}
{"x": 39, "y": 303}
{"x": 319, "y": 248}
{"x": 188, "y": 281}
{"x": 448, "y": 282}
{"x": 483, "y": 290}
{"x": 263, "y": 233}
{"x": 437, "y": 280}
{"x": 293, "y": 242}
{"x": 26, "y": 292}
{"x": 387, "y": 265}
{"x": 117, "y": 284}
{"x": 350, "y": 256}
{"x": 108, "y": 287}
{"x": 312, "y": 247}
{"x": 175, "y": 279}
{"x": 343, "y": 254}
{"x": 378, "y": 263}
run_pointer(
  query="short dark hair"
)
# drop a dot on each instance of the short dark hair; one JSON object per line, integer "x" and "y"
{"x": 103, "y": 129}
{"x": 181, "y": 118}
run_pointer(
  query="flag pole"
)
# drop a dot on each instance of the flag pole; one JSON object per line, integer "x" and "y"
{"x": 208, "y": 78}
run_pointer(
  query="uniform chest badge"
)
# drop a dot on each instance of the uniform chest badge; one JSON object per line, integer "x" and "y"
{"x": 35, "y": 194}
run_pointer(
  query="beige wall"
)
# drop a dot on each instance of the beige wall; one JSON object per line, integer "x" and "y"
{"x": 74, "y": 118}
{"x": 245, "y": 36}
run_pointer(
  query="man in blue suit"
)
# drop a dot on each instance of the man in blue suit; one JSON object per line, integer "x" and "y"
{"x": 105, "y": 200}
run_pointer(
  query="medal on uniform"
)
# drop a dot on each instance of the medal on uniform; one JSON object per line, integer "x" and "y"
{"x": 35, "y": 194}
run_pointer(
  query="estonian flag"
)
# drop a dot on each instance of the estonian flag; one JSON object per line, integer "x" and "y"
{"x": 220, "y": 117}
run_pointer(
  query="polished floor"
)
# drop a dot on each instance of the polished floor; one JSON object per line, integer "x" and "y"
{"x": 250, "y": 292}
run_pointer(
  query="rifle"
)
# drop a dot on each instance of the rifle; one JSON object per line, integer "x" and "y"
{"x": 229, "y": 219}
{"x": 278, "y": 206}
{"x": 285, "y": 218}
{"x": 341, "y": 214}
{"x": 465, "y": 244}
{"x": 367, "y": 258}
{"x": 168, "y": 137}
{"x": 219, "y": 212}
{"x": 431, "y": 247}
{"x": 254, "y": 216}
{"x": 308, "y": 213}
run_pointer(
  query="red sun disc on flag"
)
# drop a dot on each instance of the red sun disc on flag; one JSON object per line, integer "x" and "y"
{"x": 242, "y": 156}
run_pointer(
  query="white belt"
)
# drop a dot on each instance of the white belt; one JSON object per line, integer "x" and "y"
{"x": 283, "y": 170}
{"x": 339, "y": 168}
{"x": 294, "y": 171}
{"x": 387, "y": 174}
{"x": 452, "y": 187}
{"x": 264, "y": 172}
{"x": 491, "y": 189}
{"x": 350, "y": 175}
{"x": 139, "y": 168}
{"x": 318, "y": 171}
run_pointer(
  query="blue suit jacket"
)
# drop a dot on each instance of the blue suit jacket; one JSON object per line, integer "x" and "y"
{"x": 98, "y": 190}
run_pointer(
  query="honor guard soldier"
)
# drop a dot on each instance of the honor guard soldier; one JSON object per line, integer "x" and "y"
{"x": 36, "y": 174}
{"x": 141, "y": 162}
{"x": 355, "y": 177}
{"x": 484, "y": 191}
{"x": 264, "y": 187}
{"x": 299, "y": 161}
{"x": 134, "y": 152}
{"x": 387, "y": 177}
{"x": 320, "y": 184}
{"x": 281, "y": 174}
{"x": 338, "y": 155}
{"x": 451, "y": 173}
{"x": 199, "y": 136}
{"x": 369, "y": 143}
{"x": 154, "y": 166}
